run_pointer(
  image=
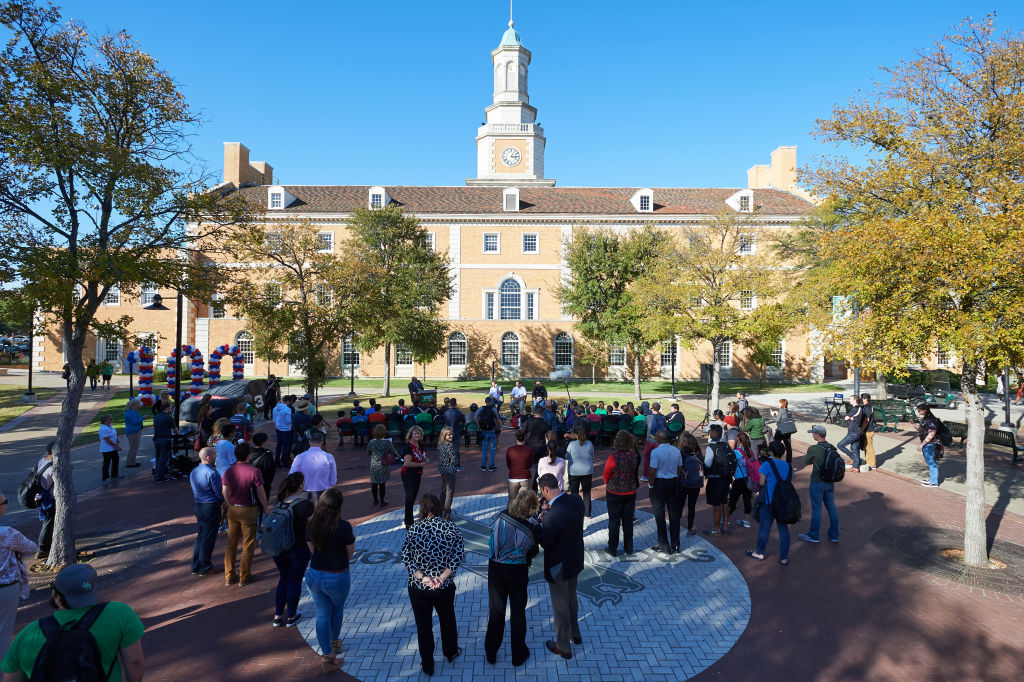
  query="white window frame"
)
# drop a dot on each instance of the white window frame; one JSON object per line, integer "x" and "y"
{"x": 322, "y": 238}
{"x": 276, "y": 200}
{"x": 643, "y": 200}
{"x": 280, "y": 291}
{"x": 154, "y": 337}
{"x": 670, "y": 348}
{"x": 536, "y": 242}
{"x": 490, "y": 296}
{"x": 745, "y": 202}
{"x": 250, "y": 340}
{"x": 747, "y": 245}
{"x": 750, "y": 304}
{"x": 497, "y": 242}
{"x": 780, "y": 351}
{"x": 510, "y": 199}
{"x": 113, "y": 297}
{"x": 377, "y": 198}
{"x": 218, "y": 311}
{"x": 403, "y": 356}
{"x": 519, "y": 349}
{"x": 950, "y": 357}
{"x": 530, "y": 305}
{"x": 517, "y": 307}
{"x": 143, "y": 293}
{"x": 727, "y": 355}
{"x": 614, "y": 353}
{"x": 350, "y": 352}
{"x": 645, "y": 203}
{"x": 324, "y": 295}
{"x": 274, "y": 241}
{"x": 102, "y": 352}
{"x": 431, "y": 241}
{"x": 458, "y": 337}
{"x": 561, "y": 337}
{"x": 495, "y": 308}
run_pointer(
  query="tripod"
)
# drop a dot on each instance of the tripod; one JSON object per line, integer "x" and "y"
{"x": 707, "y": 409}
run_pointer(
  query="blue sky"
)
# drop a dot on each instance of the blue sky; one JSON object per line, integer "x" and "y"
{"x": 637, "y": 93}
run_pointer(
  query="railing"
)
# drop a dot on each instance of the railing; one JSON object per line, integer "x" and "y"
{"x": 511, "y": 127}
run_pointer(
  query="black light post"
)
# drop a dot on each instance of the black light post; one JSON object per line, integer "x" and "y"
{"x": 158, "y": 304}
{"x": 673, "y": 367}
{"x": 1007, "y": 424}
{"x": 351, "y": 366}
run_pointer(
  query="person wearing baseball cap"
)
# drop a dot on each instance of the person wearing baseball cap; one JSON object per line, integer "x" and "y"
{"x": 115, "y": 627}
{"x": 820, "y": 490}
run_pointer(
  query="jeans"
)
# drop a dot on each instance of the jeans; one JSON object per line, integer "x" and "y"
{"x": 824, "y": 492}
{"x": 689, "y": 497}
{"x": 853, "y": 453}
{"x": 665, "y": 494}
{"x": 518, "y": 405}
{"x": 329, "y": 591}
{"x": 282, "y": 447}
{"x": 110, "y": 462}
{"x": 786, "y": 440}
{"x": 133, "y": 447}
{"x": 765, "y": 516}
{"x": 241, "y": 524}
{"x": 740, "y": 488}
{"x": 46, "y": 531}
{"x": 411, "y": 481}
{"x": 207, "y": 522}
{"x": 585, "y": 482}
{"x": 620, "y": 511}
{"x": 424, "y": 603}
{"x": 929, "y": 458}
{"x": 292, "y": 567}
{"x": 162, "y": 450}
{"x": 506, "y": 584}
{"x": 490, "y": 445}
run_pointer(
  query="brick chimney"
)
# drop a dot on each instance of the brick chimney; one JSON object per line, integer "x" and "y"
{"x": 238, "y": 170}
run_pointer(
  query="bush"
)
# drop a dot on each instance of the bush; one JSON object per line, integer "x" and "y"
{"x": 160, "y": 376}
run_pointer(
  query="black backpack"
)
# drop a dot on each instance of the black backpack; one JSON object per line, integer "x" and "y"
{"x": 278, "y": 532}
{"x": 785, "y": 504}
{"x": 724, "y": 463}
{"x": 32, "y": 486}
{"x": 833, "y": 469}
{"x": 70, "y": 651}
{"x": 485, "y": 419}
{"x": 943, "y": 433}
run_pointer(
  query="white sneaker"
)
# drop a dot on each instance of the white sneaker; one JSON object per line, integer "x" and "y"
{"x": 928, "y": 484}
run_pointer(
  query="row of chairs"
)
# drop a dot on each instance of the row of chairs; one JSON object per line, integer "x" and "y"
{"x": 605, "y": 430}
{"x": 397, "y": 426}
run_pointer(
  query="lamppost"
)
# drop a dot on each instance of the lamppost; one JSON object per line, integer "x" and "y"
{"x": 158, "y": 304}
{"x": 674, "y": 346}
{"x": 351, "y": 366}
{"x": 1007, "y": 424}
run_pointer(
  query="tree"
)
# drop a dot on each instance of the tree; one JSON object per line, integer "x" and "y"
{"x": 15, "y": 316}
{"x": 295, "y": 293}
{"x": 764, "y": 330}
{"x": 96, "y": 188}
{"x": 931, "y": 244}
{"x": 707, "y": 282}
{"x": 599, "y": 293}
{"x": 402, "y": 282}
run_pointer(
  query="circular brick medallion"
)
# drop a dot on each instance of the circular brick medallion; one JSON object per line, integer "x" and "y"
{"x": 643, "y": 617}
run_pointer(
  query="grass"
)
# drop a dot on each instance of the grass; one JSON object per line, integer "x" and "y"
{"x": 115, "y": 408}
{"x": 12, "y": 401}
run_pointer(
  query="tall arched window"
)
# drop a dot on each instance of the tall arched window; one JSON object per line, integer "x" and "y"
{"x": 563, "y": 350}
{"x": 511, "y": 298}
{"x": 457, "y": 349}
{"x": 509, "y": 350}
{"x": 243, "y": 340}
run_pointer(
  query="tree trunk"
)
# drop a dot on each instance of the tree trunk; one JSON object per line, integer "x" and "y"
{"x": 593, "y": 375}
{"x": 716, "y": 374}
{"x": 636, "y": 375}
{"x": 387, "y": 369}
{"x": 881, "y": 386}
{"x": 760, "y": 377}
{"x": 62, "y": 550}
{"x": 975, "y": 545}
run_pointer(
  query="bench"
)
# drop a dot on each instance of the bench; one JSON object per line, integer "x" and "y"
{"x": 891, "y": 411}
{"x": 992, "y": 437}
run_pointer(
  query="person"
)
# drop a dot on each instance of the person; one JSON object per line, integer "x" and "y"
{"x": 655, "y": 421}
{"x": 65, "y": 374}
{"x": 540, "y": 394}
{"x": 676, "y": 416}
{"x": 114, "y": 626}
{"x": 518, "y": 404}
{"x": 204, "y": 420}
{"x": 242, "y": 486}
{"x": 768, "y": 483}
{"x": 318, "y": 467}
{"x": 163, "y": 435}
{"x": 14, "y": 547}
{"x": 311, "y": 404}
{"x": 243, "y": 427}
{"x": 513, "y": 545}
{"x": 109, "y": 447}
{"x": 1000, "y": 385}
{"x": 1020, "y": 389}
{"x": 163, "y": 399}
{"x": 250, "y": 409}
{"x": 621, "y": 480}
{"x": 415, "y": 388}
{"x": 47, "y": 503}
{"x": 92, "y": 371}
{"x": 107, "y": 371}
{"x": 133, "y": 421}
{"x": 291, "y": 563}
{"x": 783, "y": 419}
{"x": 271, "y": 396}
{"x": 332, "y": 543}
{"x": 930, "y": 447}
{"x": 519, "y": 460}
{"x": 208, "y": 500}
{"x": 432, "y": 552}
{"x": 225, "y": 448}
{"x": 717, "y": 479}
{"x": 741, "y": 485}
{"x": 550, "y": 414}
{"x": 561, "y": 536}
{"x": 666, "y": 467}
{"x": 820, "y": 491}
{"x": 412, "y": 470}
{"x": 753, "y": 426}
{"x": 489, "y": 421}
{"x": 448, "y": 468}
{"x": 867, "y": 429}
{"x": 732, "y": 419}
{"x": 717, "y": 417}
{"x": 301, "y": 422}
{"x": 850, "y": 444}
{"x": 456, "y": 421}
{"x": 741, "y": 402}
{"x": 380, "y": 469}
{"x": 496, "y": 395}
{"x": 283, "y": 431}
{"x": 691, "y": 478}
{"x": 579, "y": 454}
{"x": 552, "y": 462}
{"x": 263, "y": 459}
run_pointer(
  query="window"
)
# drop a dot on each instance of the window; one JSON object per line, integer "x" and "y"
{"x": 509, "y": 350}
{"x": 645, "y": 202}
{"x": 748, "y": 301}
{"x": 530, "y": 312}
{"x": 491, "y": 243}
{"x": 147, "y": 292}
{"x": 489, "y": 304}
{"x": 725, "y": 354}
{"x": 530, "y": 243}
{"x": 349, "y": 353}
{"x": 376, "y": 200}
{"x": 510, "y": 201}
{"x": 563, "y": 350}
{"x": 113, "y": 296}
{"x": 617, "y": 356}
{"x": 943, "y": 356}
{"x": 746, "y": 244}
{"x": 272, "y": 290}
{"x": 324, "y": 295}
{"x": 150, "y": 340}
{"x": 244, "y": 341}
{"x": 273, "y": 242}
{"x": 668, "y": 353}
{"x": 277, "y": 200}
{"x": 745, "y": 203}
{"x": 511, "y": 305}
{"x": 109, "y": 350}
{"x": 457, "y": 349}
{"x": 779, "y": 356}
{"x": 430, "y": 240}
{"x": 325, "y": 242}
{"x": 403, "y": 356}
{"x": 217, "y": 310}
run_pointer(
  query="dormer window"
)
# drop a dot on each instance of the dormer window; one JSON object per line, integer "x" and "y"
{"x": 279, "y": 198}
{"x": 643, "y": 200}
{"x": 745, "y": 204}
{"x": 510, "y": 200}
{"x": 742, "y": 201}
{"x": 376, "y": 200}
{"x": 379, "y": 198}
{"x": 276, "y": 200}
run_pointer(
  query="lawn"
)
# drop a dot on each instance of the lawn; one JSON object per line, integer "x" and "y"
{"x": 12, "y": 403}
{"x": 115, "y": 407}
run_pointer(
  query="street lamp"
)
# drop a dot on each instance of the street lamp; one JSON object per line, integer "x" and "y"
{"x": 158, "y": 304}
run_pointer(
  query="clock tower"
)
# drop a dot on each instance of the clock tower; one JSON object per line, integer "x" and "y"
{"x": 510, "y": 144}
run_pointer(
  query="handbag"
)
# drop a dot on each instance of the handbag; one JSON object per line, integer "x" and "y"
{"x": 785, "y": 424}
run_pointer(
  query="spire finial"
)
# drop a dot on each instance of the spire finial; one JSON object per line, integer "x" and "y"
{"x": 510, "y": 22}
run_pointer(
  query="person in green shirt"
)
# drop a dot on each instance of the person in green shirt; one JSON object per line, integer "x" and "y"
{"x": 117, "y": 629}
{"x": 753, "y": 425}
{"x": 107, "y": 370}
{"x": 92, "y": 370}
{"x": 820, "y": 491}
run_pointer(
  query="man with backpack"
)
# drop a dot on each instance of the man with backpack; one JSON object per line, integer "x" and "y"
{"x": 36, "y": 492}
{"x": 82, "y": 640}
{"x": 827, "y": 468}
{"x": 719, "y": 467}
{"x": 930, "y": 432}
{"x": 489, "y": 421}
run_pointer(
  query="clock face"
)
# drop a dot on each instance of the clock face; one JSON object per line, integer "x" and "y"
{"x": 510, "y": 156}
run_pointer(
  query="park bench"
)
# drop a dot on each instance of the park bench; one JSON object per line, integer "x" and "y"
{"x": 992, "y": 437}
{"x": 887, "y": 411}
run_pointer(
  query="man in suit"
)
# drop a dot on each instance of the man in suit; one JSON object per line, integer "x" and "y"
{"x": 561, "y": 536}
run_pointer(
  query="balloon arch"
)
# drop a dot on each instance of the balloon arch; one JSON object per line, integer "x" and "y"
{"x": 146, "y": 356}
{"x": 237, "y": 363}
{"x": 196, "y": 368}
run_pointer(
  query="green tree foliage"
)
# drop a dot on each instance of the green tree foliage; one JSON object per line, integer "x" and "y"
{"x": 599, "y": 294}
{"x": 930, "y": 243}
{"x": 399, "y": 287}
{"x": 96, "y": 189}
